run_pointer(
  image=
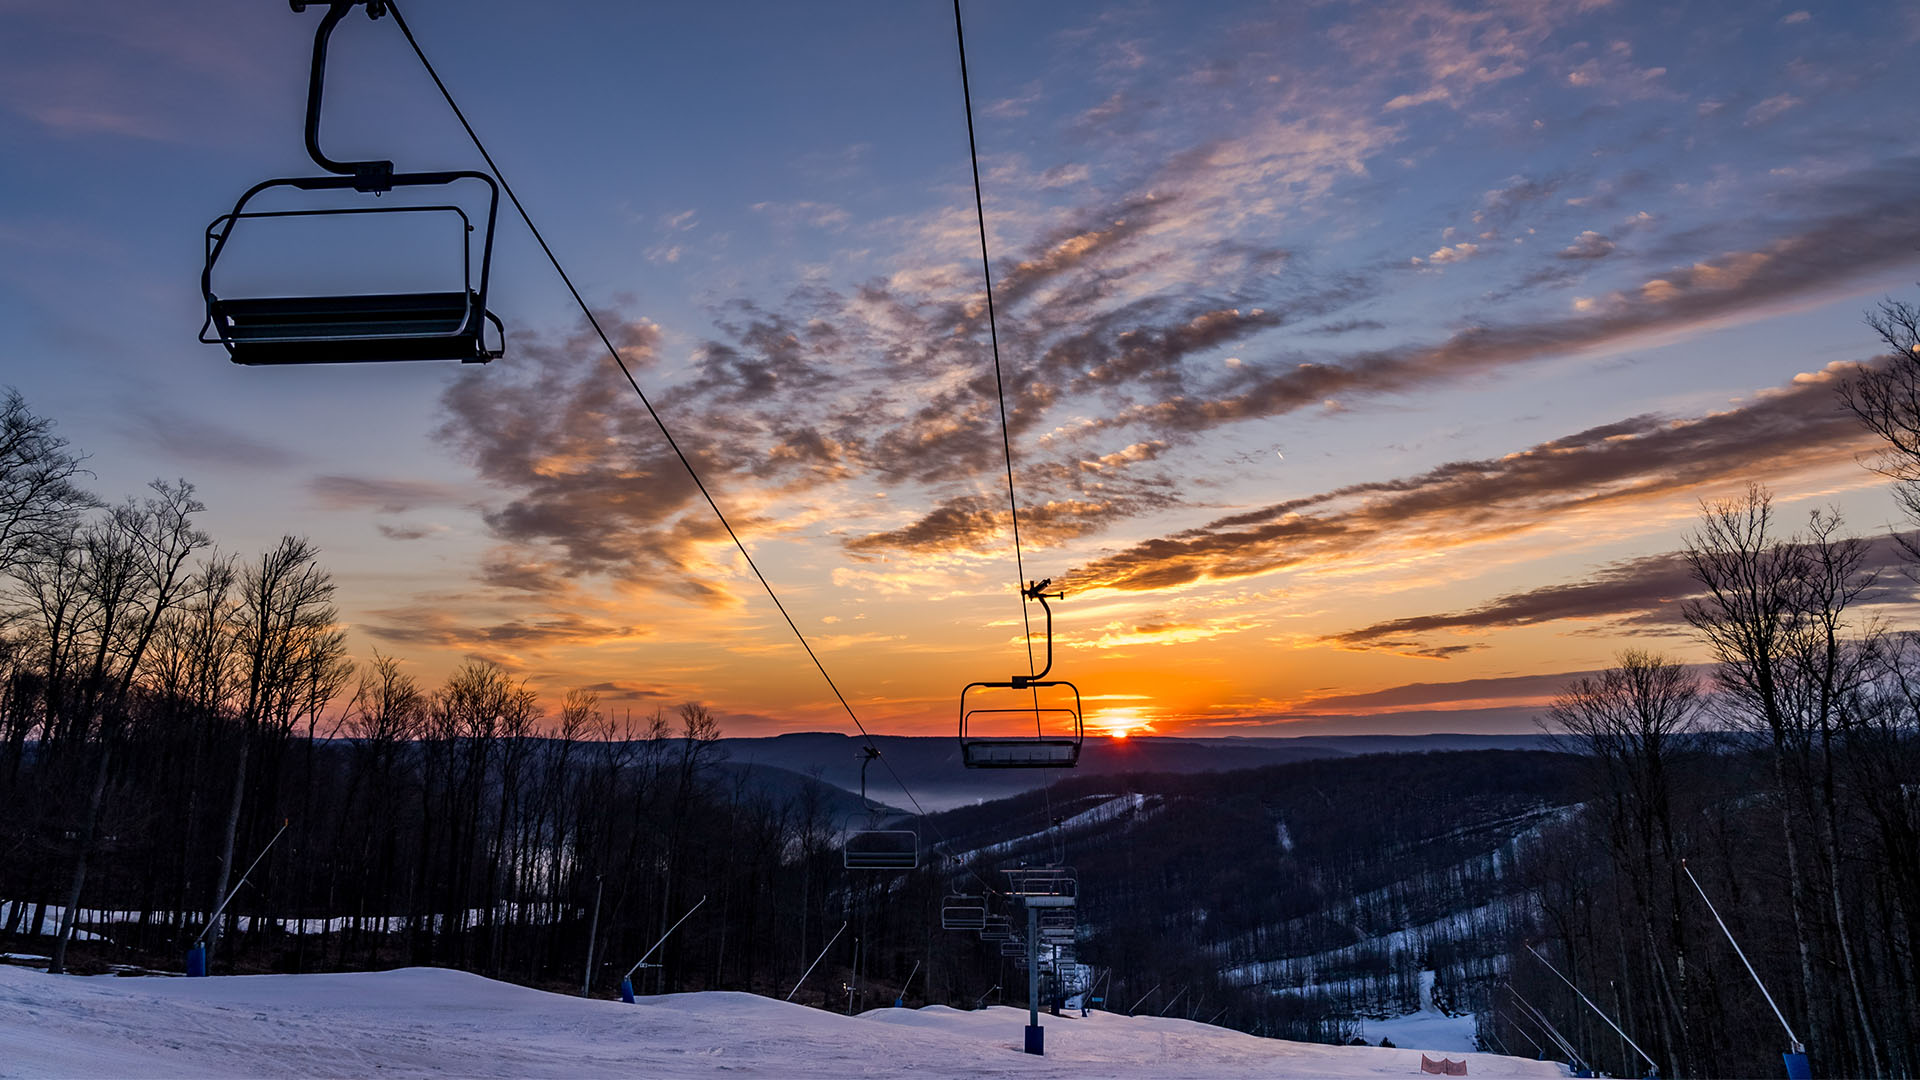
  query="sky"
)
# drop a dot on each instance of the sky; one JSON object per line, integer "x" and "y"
{"x": 1366, "y": 364}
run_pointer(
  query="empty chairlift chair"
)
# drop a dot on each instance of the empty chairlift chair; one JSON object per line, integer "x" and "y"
{"x": 875, "y": 848}
{"x": 963, "y": 912}
{"x": 1057, "y": 925}
{"x": 444, "y": 323}
{"x": 1044, "y": 886}
{"x": 996, "y": 928}
{"x": 1058, "y": 726}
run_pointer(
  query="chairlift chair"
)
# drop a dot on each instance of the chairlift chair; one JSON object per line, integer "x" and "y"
{"x": 1057, "y": 925}
{"x": 1039, "y": 751}
{"x": 1044, "y": 886}
{"x": 1014, "y": 947}
{"x": 875, "y": 848}
{"x": 996, "y": 928}
{"x": 963, "y": 912}
{"x": 330, "y": 329}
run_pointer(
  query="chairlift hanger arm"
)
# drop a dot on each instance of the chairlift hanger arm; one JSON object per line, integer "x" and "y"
{"x": 1036, "y": 590}
{"x": 367, "y": 175}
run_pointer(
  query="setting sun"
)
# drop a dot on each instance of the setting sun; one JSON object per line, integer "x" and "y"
{"x": 1120, "y": 723}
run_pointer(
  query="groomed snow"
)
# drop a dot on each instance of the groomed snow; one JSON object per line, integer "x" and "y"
{"x": 430, "y": 1021}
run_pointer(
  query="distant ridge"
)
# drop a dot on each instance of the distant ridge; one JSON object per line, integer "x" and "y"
{"x": 931, "y": 764}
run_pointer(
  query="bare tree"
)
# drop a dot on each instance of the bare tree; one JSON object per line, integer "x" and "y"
{"x": 285, "y": 616}
{"x": 1885, "y": 396}
{"x": 134, "y": 572}
{"x": 40, "y": 497}
{"x": 1632, "y": 722}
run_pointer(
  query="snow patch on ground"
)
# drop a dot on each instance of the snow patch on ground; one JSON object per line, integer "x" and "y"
{"x": 420, "y": 1021}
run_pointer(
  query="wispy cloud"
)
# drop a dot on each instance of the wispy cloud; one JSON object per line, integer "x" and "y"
{"x": 1640, "y": 460}
{"x": 1643, "y": 594}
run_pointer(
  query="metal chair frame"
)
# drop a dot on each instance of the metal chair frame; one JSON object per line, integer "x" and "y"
{"x": 874, "y": 848}
{"x": 1039, "y": 751}
{"x": 963, "y": 912}
{"x": 353, "y": 328}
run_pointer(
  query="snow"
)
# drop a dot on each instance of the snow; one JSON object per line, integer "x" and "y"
{"x": 1428, "y": 1028}
{"x": 1111, "y": 808}
{"x": 421, "y": 1021}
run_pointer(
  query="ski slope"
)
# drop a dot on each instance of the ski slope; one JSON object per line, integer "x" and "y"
{"x": 430, "y": 1021}
{"x": 1428, "y": 1028}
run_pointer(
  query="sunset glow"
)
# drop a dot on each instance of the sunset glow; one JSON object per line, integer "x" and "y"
{"x": 1365, "y": 363}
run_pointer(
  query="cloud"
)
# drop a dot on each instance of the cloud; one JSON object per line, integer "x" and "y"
{"x": 1827, "y": 253}
{"x": 438, "y": 627}
{"x": 388, "y": 495}
{"x": 179, "y": 437}
{"x": 1464, "y": 693}
{"x": 1588, "y": 245}
{"x": 1457, "y": 253}
{"x": 980, "y": 523}
{"x": 1644, "y": 592}
{"x": 1636, "y": 461}
{"x": 1769, "y": 110}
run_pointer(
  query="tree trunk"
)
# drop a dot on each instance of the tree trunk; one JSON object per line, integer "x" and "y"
{"x": 83, "y": 851}
{"x": 224, "y": 876}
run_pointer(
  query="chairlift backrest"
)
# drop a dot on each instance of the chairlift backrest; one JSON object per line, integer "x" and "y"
{"x": 963, "y": 912}
{"x": 882, "y": 849}
{"x": 1042, "y": 881}
{"x": 443, "y": 324}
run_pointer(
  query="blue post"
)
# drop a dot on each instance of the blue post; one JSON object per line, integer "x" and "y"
{"x": 1797, "y": 1067}
{"x": 899, "y": 1003}
{"x": 626, "y": 991}
{"x": 197, "y": 961}
{"x": 1036, "y": 1039}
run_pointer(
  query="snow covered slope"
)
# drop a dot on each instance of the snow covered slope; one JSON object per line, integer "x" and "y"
{"x": 1428, "y": 1029}
{"x": 420, "y": 1021}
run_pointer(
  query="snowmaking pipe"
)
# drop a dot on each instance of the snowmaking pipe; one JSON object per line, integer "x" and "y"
{"x": 902, "y": 997}
{"x": 1546, "y": 1026}
{"x": 1595, "y": 1008}
{"x": 668, "y": 934}
{"x": 1143, "y": 998}
{"x": 1792, "y": 1039}
{"x": 816, "y": 960}
{"x": 1515, "y": 1025}
{"x": 215, "y": 917}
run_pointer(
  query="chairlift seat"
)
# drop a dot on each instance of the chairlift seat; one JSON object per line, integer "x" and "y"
{"x": 1013, "y": 947}
{"x": 1021, "y": 753}
{"x": 350, "y": 329}
{"x": 882, "y": 849}
{"x": 996, "y": 928}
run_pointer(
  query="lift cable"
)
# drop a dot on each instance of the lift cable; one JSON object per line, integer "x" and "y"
{"x": 1000, "y": 387}
{"x": 993, "y": 336}
{"x": 659, "y": 422}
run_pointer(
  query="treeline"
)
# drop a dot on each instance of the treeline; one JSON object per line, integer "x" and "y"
{"x": 1784, "y": 788}
{"x": 169, "y": 711}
